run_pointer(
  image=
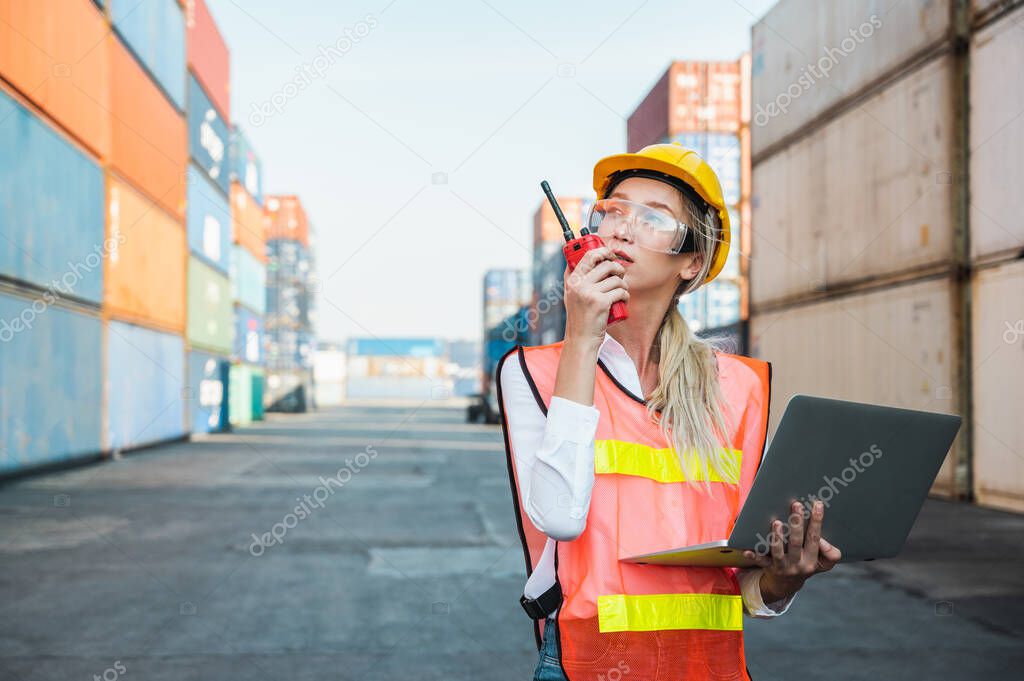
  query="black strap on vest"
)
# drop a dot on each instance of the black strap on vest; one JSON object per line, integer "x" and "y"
{"x": 545, "y": 604}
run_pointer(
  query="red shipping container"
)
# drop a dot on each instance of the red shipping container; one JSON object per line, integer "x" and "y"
{"x": 285, "y": 218}
{"x": 208, "y": 55}
{"x": 691, "y": 96}
{"x": 148, "y": 143}
{"x": 55, "y": 54}
{"x": 649, "y": 123}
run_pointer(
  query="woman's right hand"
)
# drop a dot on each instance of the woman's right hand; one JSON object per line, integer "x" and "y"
{"x": 590, "y": 290}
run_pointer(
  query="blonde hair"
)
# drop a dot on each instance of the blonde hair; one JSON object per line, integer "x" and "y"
{"x": 688, "y": 403}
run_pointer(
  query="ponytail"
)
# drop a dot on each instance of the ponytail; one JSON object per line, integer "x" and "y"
{"x": 688, "y": 402}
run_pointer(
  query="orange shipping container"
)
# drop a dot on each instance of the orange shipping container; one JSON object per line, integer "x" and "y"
{"x": 55, "y": 54}
{"x": 286, "y": 219}
{"x": 247, "y": 222}
{"x": 145, "y": 271}
{"x": 149, "y": 144}
{"x": 208, "y": 55}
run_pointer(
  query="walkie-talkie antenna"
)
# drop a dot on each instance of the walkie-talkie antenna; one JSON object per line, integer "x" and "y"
{"x": 566, "y": 229}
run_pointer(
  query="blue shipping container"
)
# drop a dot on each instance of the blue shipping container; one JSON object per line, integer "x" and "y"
{"x": 207, "y": 392}
{"x": 146, "y": 381}
{"x": 154, "y": 30}
{"x": 51, "y": 208}
{"x": 397, "y": 347}
{"x": 208, "y": 220}
{"x": 246, "y": 167}
{"x": 723, "y": 154}
{"x": 207, "y": 136}
{"x": 248, "y": 336}
{"x": 248, "y": 280}
{"x": 51, "y": 387}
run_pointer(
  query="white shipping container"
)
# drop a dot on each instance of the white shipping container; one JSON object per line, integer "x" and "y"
{"x": 869, "y": 194}
{"x": 997, "y": 136}
{"x": 998, "y": 349}
{"x": 329, "y": 394}
{"x": 892, "y": 346}
{"x": 810, "y": 54}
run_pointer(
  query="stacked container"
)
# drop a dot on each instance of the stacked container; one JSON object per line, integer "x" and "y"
{"x": 505, "y": 293}
{"x": 396, "y": 368}
{"x": 703, "y": 106}
{"x": 887, "y": 218}
{"x": 547, "y": 322}
{"x": 146, "y": 192}
{"x": 210, "y": 326}
{"x": 248, "y": 280}
{"x": 290, "y": 313}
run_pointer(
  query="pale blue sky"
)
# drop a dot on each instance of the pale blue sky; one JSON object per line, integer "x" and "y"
{"x": 467, "y": 88}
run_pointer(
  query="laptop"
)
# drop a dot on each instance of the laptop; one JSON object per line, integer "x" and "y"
{"x": 871, "y": 466}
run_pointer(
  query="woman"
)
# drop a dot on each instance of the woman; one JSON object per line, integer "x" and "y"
{"x": 640, "y": 437}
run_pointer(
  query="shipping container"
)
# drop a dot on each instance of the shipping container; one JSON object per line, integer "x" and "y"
{"x": 210, "y": 315}
{"x": 401, "y": 347}
{"x": 998, "y": 385}
{"x": 154, "y": 31}
{"x": 51, "y": 208}
{"x": 248, "y": 280}
{"x": 209, "y": 221}
{"x": 285, "y": 218}
{"x": 868, "y": 194}
{"x": 51, "y": 394}
{"x": 145, "y": 275}
{"x": 245, "y": 165}
{"x": 240, "y": 395}
{"x": 248, "y": 336}
{"x": 247, "y": 222}
{"x": 997, "y": 138}
{"x": 146, "y": 386}
{"x": 415, "y": 388}
{"x": 148, "y": 141}
{"x": 894, "y": 346}
{"x": 258, "y": 381}
{"x": 207, "y": 392}
{"x": 648, "y": 124}
{"x": 62, "y": 66}
{"x": 692, "y": 96}
{"x": 329, "y": 371}
{"x": 547, "y": 229}
{"x": 207, "y": 135}
{"x": 840, "y": 49}
{"x": 208, "y": 55}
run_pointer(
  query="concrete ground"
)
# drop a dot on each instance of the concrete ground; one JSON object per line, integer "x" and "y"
{"x": 396, "y": 556}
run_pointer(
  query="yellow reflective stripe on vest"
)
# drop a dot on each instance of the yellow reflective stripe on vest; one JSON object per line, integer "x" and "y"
{"x": 630, "y": 458}
{"x": 655, "y": 612}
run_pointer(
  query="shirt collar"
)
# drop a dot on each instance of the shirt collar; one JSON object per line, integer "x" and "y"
{"x": 620, "y": 365}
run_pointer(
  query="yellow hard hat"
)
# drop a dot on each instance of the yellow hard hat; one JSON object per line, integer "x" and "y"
{"x": 684, "y": 165}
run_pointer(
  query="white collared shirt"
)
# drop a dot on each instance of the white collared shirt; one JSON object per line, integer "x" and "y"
{"x": 555, "y": 467}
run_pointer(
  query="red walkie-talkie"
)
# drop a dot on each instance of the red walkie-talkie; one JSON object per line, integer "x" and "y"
{"x": 575, "y": 249}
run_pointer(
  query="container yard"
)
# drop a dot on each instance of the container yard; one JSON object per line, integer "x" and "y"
{"x": 261, "y": 270}
{"x": 141, "y": 233}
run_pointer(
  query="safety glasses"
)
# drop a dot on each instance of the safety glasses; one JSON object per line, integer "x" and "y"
{"x": 646, "y": 227}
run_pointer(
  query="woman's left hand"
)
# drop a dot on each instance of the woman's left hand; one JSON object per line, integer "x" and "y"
{"x": 791, "y": 564}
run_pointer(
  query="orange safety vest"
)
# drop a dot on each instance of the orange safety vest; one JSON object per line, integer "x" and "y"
{"x": 662, "y": 623}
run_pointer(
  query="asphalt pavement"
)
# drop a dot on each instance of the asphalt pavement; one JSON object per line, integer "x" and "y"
{"x": 378, "y": 542}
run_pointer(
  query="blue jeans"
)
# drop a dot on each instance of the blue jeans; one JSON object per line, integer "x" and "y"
{"x": 549, "y": 666}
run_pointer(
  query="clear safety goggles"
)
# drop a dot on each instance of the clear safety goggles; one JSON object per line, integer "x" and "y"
{"x": 646, "y": 227}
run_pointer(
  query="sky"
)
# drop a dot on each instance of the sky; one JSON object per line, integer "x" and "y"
{"x": 416, "y": 134}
